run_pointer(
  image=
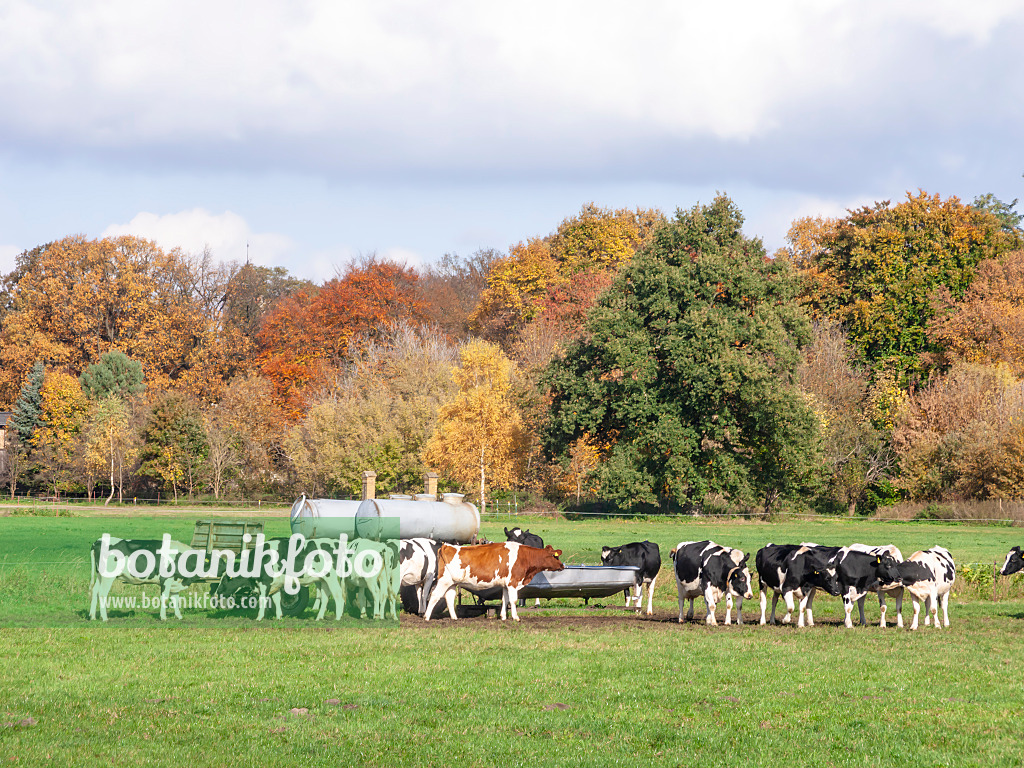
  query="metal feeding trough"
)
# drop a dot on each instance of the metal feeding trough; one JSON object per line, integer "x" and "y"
{"x": 586, "y": 581}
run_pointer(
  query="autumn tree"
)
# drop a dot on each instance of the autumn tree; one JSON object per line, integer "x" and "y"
{"x": 986, "y": 325}
{"x": 307, "y": 335}
{"x": 962, "y": 436}
{"x": 249, "y": 429}
{"x": 378, "y": 414}
{"x": 856, "y": 441}
{"x": 450, "y": 290}
{"x": 595, "y": 241}
{"x": 875, "y": 272}
{"x": 686, "y": 368}
{"x": 109, "y": 445}
{"x": 54, "y": 442}
{"x": 479, "y": 436}
{"x": 173, "y": 443}
{"x": 77, "y": 299}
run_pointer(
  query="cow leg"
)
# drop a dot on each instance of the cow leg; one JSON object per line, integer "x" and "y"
{"x": 682, "y": 603}
{"x": 650, "y": 596}
{"x": 165, "y": 593}
{"x": 927, "y": 609}
{"x": 263, "y": 601}
{"x": 775, "y": 602}
{"x": 801, "y": 610}
{"x": 881, "y": 607}
{"x": 787, "y": 597}
{"x": 945, "y": 610}
{"x": 709, "y": 600}
{"x": 917, "y": 608}
{"x": 100, "y": 591}
{"x": 763, "y": 598}
{"x": 739, "y": 609}
{"x": 933, "y": 604}
{"x": 441, "y": 589}
{"x": 848, "y": 601}
{"x": 899, "y": 607}
{"x": 728, "y": 609}
{"x": 689, "y": 613}
{"x": 860, "y": 607}
{"x": 626, "y": 593}
{"x": 809, "y": 607}
{"x": 513, "y": 594}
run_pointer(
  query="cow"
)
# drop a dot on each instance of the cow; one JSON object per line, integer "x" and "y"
{"x": 928, "y": 576}
{"x": 123, "y": 563}
{"x": 530, "y": 540}
{"x": 1014, "y": 562}
{"x": 639, "y": 554}
{"x": 418, "y": 565}
{"x": 705, "y": 569}
{"x": 859, "y": 573}
{"x": 380, "y": 581}
{"x": 509, "y": 565}
{"x": 793, "y": 570}
{"x": 894, "y": 552}
{"x": 270, "y": 580}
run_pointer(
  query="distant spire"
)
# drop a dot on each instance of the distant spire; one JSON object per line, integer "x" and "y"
{"x": 246, "y": 251}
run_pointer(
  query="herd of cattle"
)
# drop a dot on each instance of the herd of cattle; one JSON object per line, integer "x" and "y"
{"x": 436, "y": 570}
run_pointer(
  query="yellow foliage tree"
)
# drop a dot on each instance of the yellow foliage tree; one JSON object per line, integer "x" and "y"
{"x": 53, "y": 444}
{"x": 480, "y": 434}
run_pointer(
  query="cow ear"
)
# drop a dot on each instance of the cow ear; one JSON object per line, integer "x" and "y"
{"x": 878, "y": 559}
{"x": 558, "y": 553}
{"x": 745, "y": 558}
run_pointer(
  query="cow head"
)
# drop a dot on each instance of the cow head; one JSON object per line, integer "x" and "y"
{"x": 820, "y": 576}
{"x": 739, "y": 579}
{"x": 514, "y": 535}
{"x": 549, "y": 559}
{"x": 887, "y": 571}
{"x": 607, "y": 553}
{"x": 1014, "y": 562}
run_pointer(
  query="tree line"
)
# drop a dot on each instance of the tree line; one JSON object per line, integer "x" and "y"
{"x": 628, "y": 358}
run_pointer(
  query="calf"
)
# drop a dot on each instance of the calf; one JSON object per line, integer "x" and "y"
{"x": 894, "y": 552}
{"x": 928, "y": 576}
{"x": 509, "y": 565}
{"x": 793, "y": 570}
{"x": 643, "y": 555}
{"x": 418, "y": 566}
{"x": 1014, "y": 562}
{"x": 705, "y": 569}
{"x": 122, "y": 563}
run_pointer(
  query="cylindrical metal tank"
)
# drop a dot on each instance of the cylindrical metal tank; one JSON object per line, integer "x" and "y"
{"x": 324, "y": 518}
{"x": 452, "y": 520}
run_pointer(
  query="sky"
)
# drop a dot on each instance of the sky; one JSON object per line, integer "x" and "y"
{"x": 307, "y": 134}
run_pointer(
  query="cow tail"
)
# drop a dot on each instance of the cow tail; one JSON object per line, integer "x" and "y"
{"x": 92, "y": 572}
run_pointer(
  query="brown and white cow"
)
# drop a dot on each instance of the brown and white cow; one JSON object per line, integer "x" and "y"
{"x": 508, "y": 565}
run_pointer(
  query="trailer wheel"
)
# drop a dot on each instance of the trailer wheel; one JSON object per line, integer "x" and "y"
{"x": 295, "y": 605}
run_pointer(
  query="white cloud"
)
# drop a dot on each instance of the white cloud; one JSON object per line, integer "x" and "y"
{"x": 356, "y": 86}
{"x": 227, "y": 235}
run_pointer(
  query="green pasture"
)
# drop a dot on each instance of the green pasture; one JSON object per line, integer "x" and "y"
{"x": 570, "y": 685}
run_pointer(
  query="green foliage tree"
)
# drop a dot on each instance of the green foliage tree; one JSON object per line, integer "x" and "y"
{"x": 1008, "y": 218}
{"x": 114, "y": 374}
{"x": 174, "y": 443}
{"x": 686, "y": 369}
{"x": 877, "y": 270}
{"x": 28, "y": 408}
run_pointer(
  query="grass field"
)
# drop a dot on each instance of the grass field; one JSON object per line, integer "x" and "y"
{"x": 569, "y": 685}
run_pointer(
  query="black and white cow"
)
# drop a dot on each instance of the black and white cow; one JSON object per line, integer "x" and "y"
{"x": 859, "y": 573}
{"x": 269, "y": 581}
{"x": 928, "y": 576}
{"x": 644, "y": 555}
{"x": 793, "y": 571}
{"x": 705, "y": 569}
{"x": 1014, "y": 562}
{"x": 894, "y": 552}
{"x": 138, "y": 561}
{"x": 517, "y": 534}
{"x": 418, "y": 563}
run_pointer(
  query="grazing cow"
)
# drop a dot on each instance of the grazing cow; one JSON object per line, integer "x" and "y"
{"x": 124, "y": 563}
{"x": 509, "y": 565}
{"x": 928, "y": 576}
{"x": 270, "y": 580}
{"x": 705, "y": 569}
{"x": 1014, "y": 562}
{"x": 793, "y": 570}
{"x": 643, "y": 555}
{"x": 894, "y": 552}
{"x": 381, "y": 583}
{"x": 527, "y": 538}
{"x": 418, "y": 564}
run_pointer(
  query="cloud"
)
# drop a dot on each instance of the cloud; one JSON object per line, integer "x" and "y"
{"x": 227, "y": 235}
{"x": 566, "y": 90}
